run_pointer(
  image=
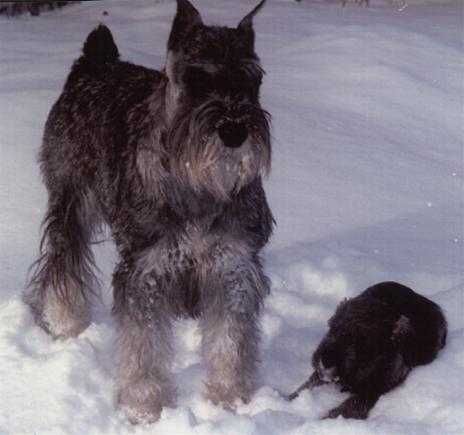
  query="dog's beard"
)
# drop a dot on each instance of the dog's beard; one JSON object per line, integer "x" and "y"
{"x": 199, "y": 159}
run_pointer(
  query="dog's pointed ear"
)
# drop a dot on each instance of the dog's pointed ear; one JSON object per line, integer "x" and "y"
{"x": 186, "y": 17}
{"x": 246, "y": 25}
{"x": 401, "y": 329}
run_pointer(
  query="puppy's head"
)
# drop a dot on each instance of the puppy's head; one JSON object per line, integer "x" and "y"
{"x": 364, "y": 334}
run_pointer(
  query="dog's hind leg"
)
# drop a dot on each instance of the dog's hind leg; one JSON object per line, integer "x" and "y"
{"x": 62, "y": 281}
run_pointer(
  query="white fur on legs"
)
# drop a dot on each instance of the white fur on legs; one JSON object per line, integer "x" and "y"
{"x": 234, "y": 285}
{"x": 62, "y": 320}
{"x": 143, "y": 359}
{"x": 230, "y": 349}
{"x": 60, "y": 317}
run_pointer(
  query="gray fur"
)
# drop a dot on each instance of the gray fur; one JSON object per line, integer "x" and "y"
{"x": 172, "y": 162}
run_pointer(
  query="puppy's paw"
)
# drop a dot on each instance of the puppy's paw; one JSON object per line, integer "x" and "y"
{"x": 353, "y": 407}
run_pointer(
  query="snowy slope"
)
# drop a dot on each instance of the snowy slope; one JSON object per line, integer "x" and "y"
{"x": 367, "y": 185}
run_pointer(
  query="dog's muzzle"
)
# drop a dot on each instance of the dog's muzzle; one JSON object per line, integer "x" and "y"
{"x": 327, "y": 374}
{"x": 233, "y": 134}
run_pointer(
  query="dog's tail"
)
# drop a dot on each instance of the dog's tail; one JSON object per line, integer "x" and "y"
{"x": 100, "y": 46}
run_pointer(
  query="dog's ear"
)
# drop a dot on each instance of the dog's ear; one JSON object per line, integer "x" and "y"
{"x": 186, "y": 17}
{"x": 401, "y": 329}
{"x": 246, "y": 25}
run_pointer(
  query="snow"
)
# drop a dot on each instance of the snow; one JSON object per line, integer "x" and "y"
{"x": 367, "y": 185}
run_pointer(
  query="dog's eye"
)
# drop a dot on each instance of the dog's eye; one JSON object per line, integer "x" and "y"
{"x": 240, "y": 83}
{"x": 197, "y": 81}
{"x": 194, "y": 51}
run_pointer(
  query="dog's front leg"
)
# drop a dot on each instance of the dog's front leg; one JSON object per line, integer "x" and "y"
{"x": 356, "y": 406}
{"x": 143, "y": 348}
{"x": 233, "y": 286}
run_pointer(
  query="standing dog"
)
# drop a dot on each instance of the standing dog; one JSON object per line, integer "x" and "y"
{"x": 172, "y": 161}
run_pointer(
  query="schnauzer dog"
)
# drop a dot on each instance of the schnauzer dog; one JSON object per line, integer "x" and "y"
{"x": 172, "y": 162}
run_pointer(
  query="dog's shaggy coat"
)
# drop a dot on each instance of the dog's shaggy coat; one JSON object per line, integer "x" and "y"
{"x": 172, "y": 162}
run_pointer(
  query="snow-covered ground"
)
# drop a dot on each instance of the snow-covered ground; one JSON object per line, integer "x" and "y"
{"x": 367, "y": 185}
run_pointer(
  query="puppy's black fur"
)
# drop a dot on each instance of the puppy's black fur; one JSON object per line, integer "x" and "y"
{"x": 374, "y": 341}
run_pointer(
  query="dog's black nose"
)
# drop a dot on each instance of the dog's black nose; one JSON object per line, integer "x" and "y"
{"x": 233, "y": 134}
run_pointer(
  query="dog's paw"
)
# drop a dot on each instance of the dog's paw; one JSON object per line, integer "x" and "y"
{"x": 59, "y": 319}
{"x": 227, "y": 397}
{"x": 333, "y": 413}
{"x": 142, "y": 413}
{"x": 351, "y": 408}
{"x": 142, "y": 402}
{"x": 64, "y": 327}
{"x": 145, "y": 411}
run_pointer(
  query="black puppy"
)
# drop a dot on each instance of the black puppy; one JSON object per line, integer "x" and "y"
{"x": 374, "y": 341}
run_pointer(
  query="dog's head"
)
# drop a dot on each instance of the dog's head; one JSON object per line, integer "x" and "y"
{"x": 218, "y": 137}
{"x": 365, "y": 334}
